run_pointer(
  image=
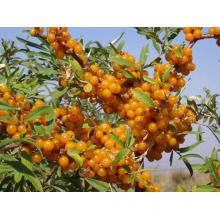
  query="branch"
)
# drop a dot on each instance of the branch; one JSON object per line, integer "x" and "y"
{"x": 191, "y": 44}
{"x": 182, "y": 90}
{"x": 49, "y": 176}
{"x": 12, "y": 146}
{"x": 158, "y": 55}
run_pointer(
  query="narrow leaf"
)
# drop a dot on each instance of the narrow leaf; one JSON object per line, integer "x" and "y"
{"x": 99, "y": 185}
{"x": 121, "y": 61}
{"x": 121, "y": 154}
{"x": 37, "y": 113}
{"x": 143, "y": 97}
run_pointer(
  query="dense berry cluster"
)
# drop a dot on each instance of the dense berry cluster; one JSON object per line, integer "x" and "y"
{"x": 61, "y": 41}
{"x": 192, "y": 33}
{"x": 183, "y": 62}
{"x": 97, "y": 161}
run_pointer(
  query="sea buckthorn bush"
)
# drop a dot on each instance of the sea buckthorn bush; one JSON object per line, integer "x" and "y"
{"x": 102, "y": 116}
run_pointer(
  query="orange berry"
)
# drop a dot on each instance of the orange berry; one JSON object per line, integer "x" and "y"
{"x": 197, "y": 34}
{"x": 3, "y": 88}
{"x": 152, "y": 127}
{"x": 217, "y": 31}
{"x": 146, "y": 175}
{"x": 94, "y": 68}
{"x": 48, "y": 145}
{"x": 63, "y": 161}
{"x": 36, "y": 157}
{"x": 78, "y": 48}
{"x": 38, "y": 103}
{"x": 81, "y": 146}
{"x": 187, "y": 30}
{"x": 172, "y": 99}
{"x": 60, "y": 52}
{"x": 51, "y": 37}
{"x": 32, "y": 32}
{"x": 11, "y": 129}
{"x": 189, "y": 37}
{"x": 71, "y": 43}
{"x": 65, "y": 137}
{"x": 102, "y": 172}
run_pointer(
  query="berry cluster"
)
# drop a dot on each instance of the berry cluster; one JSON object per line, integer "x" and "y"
{"x": 192, "y": 33}
{"x": 60, "y": 40}
{"x": 183, "y": 62}
{"x": 93, "y": 144}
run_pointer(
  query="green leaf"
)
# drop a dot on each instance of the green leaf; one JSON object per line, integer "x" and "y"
{"x": 156, "y": 46}
{"x": 86, "y": 126}
{"x": 127, "y": 168}
{"x": 120, "y": 155}
{"x": 191, "y": 147}
{"x": 120, "y": 46}
{"x": 188, "y": 165}
{"x": 132, "y": 139}
{"x": 73, "y": 150}
{"x": 212, "y": 169}
{"x": 214, "y": 155}
{"x": 189, "y": 132}
{"x": 191, "y": 155}
{"x": 121, "y": 61}
{"x": 50, "y": 121}
{"x": 143, "y": 97}
{"x": 11, "y": 79}
{"x": 76, "y": 68}
{"x": 167, "y": 72}
{"x": 37, "y": 113}
{"x": 116, "y": 139}
{"x": 5, "y": 168}
{"x": 26, "y": 159}
{"x": 77, "y": 158}
{"x": 128, "y": 137}
{"x": 59, "y": 173}
{"x": 17, "y": 176}
{"x": 150, "y": 80}
{"x": 39, "y": 128}
{"x": 99, "y": 185}
{"x": 91, "y": 147}
{"x": 128, "y": 75}
{"x": 180, "y": 188}
{"x": 6, "y": 106}
{"x": 49, "y": 71}
{"x": 178, "y": 52}
{"x": 59, "y": 92}
{"x": 144, "y": 55}
{"x": 196, "y": 166}
{"x": 171, "y": 158}
{"x": 8, "y": 71}
{"x": 24, "y": 140}
{"x": 206, "y": 188}
{"x": 6, "y": 119}
{"x": 87, "y": 87}
{"x": 31, "y": 44}
{"x": 28, "y": 174}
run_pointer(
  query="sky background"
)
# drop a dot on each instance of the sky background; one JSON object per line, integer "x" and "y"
{"x": 206, "y": 56}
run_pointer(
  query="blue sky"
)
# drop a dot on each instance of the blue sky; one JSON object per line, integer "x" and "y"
{"x": 206, "y": 56}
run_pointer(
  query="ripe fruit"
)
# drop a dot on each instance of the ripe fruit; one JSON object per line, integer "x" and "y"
{"x": 78, "y": 48}
{"x": 63, "y": 161}
{"x": 48, "y": 145}
{"x": 36, "y": 157}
